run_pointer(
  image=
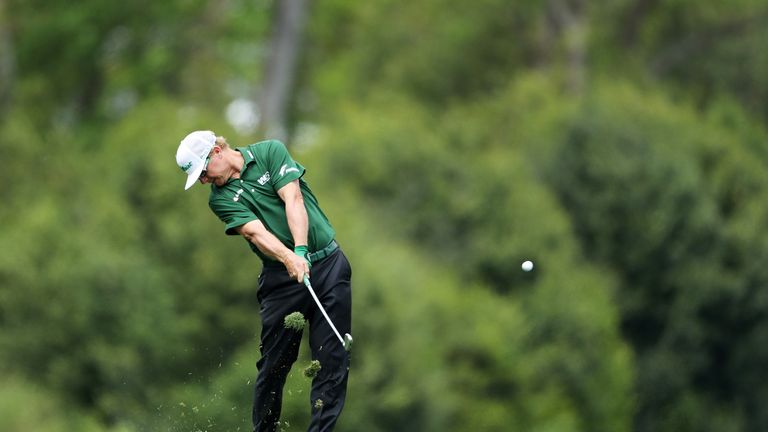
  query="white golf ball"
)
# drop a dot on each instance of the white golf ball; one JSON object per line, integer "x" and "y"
{"x": 527, "y": 265}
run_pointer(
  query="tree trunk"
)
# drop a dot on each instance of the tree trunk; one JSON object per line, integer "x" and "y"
{"x": 281, "y": 67}
{"x": 7, "y": 62}
{"x": 569, "y": 19}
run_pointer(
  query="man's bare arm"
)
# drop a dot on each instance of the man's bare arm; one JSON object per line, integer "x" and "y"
{"x": 256, "y": 233}
{"x": 295, "y": 212}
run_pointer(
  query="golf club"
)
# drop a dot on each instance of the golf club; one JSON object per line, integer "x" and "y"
{"x": 346, "y": 341}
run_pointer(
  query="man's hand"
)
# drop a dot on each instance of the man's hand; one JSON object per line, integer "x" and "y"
{"x": 296, "y": 265}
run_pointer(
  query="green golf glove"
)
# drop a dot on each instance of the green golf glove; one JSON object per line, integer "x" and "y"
{"x": 303, "y": 251}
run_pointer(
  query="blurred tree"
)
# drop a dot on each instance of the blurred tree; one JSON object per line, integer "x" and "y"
{"x": 461, "y": 192}
{"x": 462, "y": 179}
{"x": 284, "y": 50}
{"x": 651, "y": 191}
{"x": 98, "y": 300}
{"x": 95, "y": 62}
{"x": 569, "y": 21}
{"x": 703, "y": 49}
{"x": 449, "y": 150}
{"x": 7, "y": 60}
{"x": 435, "y": 51}
{"x": 24, "y": 407}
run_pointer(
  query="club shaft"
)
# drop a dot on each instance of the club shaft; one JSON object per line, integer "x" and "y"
{"x": 322, "y": 309}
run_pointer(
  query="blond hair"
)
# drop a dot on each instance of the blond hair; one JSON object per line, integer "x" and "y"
{"x": 222, "y": 142}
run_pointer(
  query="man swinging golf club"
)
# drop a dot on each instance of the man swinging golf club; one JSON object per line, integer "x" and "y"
{"x": 259, "y": 192}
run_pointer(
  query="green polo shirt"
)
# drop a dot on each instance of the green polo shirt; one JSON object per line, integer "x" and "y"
{"x": 268, "y": 167}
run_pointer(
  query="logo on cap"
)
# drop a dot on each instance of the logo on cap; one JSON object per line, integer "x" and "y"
{"x": 186, "y": 166}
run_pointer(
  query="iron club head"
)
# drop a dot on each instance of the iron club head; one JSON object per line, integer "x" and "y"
{"x": 347, "y": 341}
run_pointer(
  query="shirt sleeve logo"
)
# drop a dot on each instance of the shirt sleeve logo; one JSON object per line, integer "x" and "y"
{"x": 285, "y": 170}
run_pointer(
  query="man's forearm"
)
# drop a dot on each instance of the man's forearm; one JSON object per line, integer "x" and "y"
{"x": 298, "y": 221}
{"x": 269, "y": 245}
{"x": 295, "y": 212}
{"x": 265, "y": 241}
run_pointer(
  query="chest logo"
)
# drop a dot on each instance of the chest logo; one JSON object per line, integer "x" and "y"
{"x": 264, "y": 178}
{"x": 237, "y": 195}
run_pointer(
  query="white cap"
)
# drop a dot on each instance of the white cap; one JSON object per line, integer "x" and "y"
{"x": 192, "y": 152}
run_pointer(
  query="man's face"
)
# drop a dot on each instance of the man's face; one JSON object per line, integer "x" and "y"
{"x": 214, "y": 170}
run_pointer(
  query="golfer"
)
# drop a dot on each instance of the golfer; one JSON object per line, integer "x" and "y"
{"x": 259, "y": 192}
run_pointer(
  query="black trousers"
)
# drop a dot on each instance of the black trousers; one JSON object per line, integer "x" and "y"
{"x": 279, "y": 295}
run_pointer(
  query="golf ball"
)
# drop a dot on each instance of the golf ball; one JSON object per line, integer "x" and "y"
{"x": 527, "y": 265}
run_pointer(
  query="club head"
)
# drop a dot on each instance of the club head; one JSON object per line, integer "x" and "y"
{"x": 347, "y": 341}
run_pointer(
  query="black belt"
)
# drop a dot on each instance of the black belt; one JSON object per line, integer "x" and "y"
{"x": 314, "y": 257}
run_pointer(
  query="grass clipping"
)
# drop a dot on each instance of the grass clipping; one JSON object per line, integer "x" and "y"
{"x": 295, "y": 321}
{"x": 311, "y": 370}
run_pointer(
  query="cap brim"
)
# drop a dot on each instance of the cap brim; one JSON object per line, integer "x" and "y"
{"x": 193, "y": 177}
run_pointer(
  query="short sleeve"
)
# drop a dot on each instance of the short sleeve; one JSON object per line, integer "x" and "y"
{"x": 231, "y": 212}
{"x": 283, "y": 168}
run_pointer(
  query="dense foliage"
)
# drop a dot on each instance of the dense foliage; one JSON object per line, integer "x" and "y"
{"x": 620, "y": 145}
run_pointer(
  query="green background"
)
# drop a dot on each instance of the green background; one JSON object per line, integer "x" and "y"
{"x": 621, "y": 145}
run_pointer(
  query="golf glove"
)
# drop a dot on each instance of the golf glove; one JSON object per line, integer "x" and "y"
{"x": 303, "y": 252}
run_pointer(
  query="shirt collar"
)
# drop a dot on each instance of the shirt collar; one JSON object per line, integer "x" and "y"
{"x": 248, "y": 157}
